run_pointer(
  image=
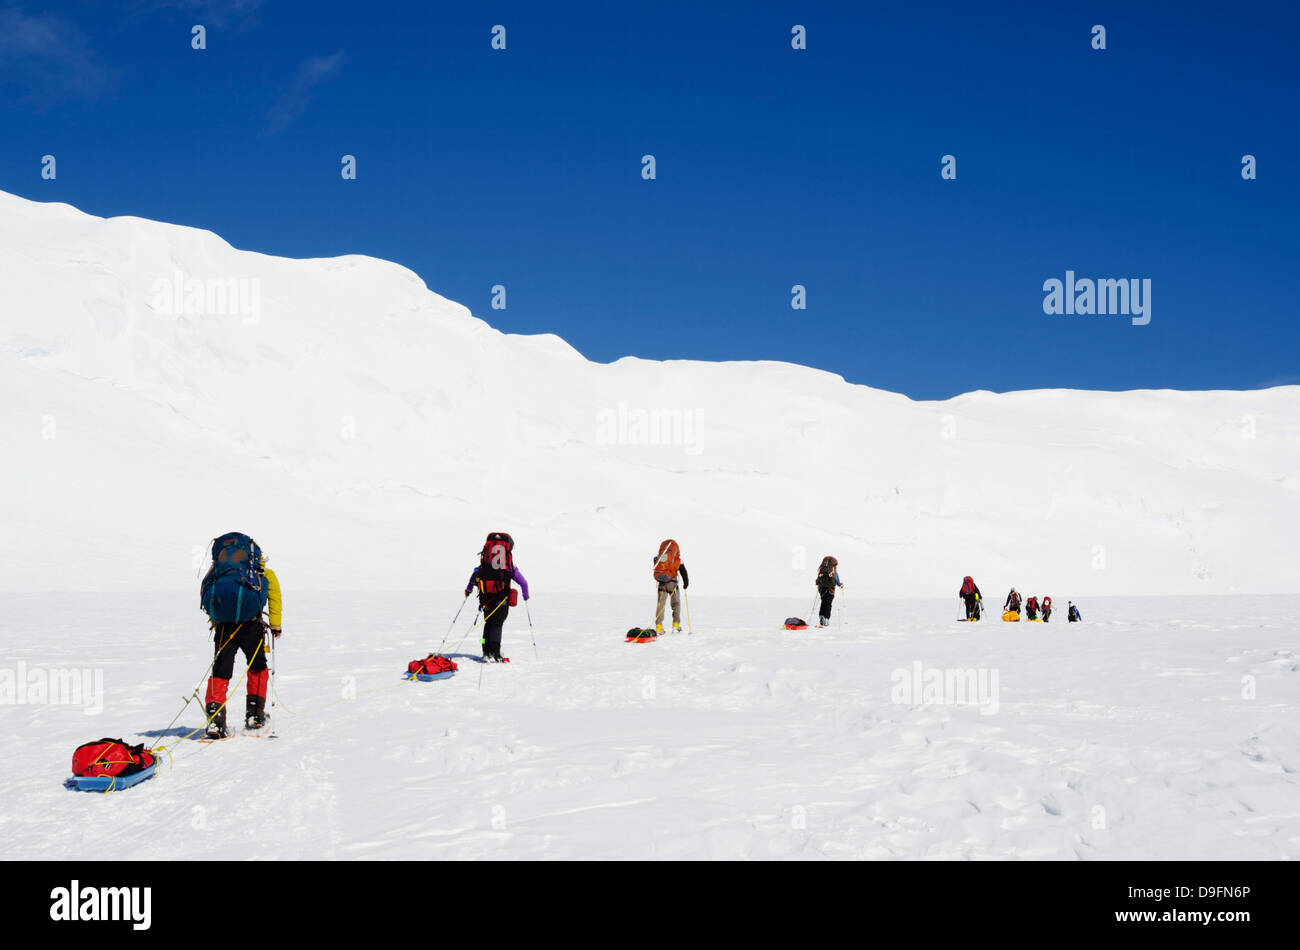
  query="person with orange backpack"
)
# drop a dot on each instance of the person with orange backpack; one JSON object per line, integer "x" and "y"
{"x": 496, "y": 569}
{"x": 668, "y": 564}
{"x": 234, "y": 592}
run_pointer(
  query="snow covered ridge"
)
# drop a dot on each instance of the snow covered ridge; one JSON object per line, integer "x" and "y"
{"x": 159, "y": 387}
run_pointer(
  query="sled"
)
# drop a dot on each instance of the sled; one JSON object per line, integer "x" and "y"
{"x": 796, "y": 626}
{"x": 429, "y": 677}
{"x": 1010, "y": 615}
{"x": 641, "y": 635}
{"x": 109, "y": 783}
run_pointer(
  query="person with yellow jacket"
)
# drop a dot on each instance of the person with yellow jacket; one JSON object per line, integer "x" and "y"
{"x": 237, "y": 589}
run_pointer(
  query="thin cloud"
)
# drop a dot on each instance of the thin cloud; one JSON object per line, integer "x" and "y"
{"x": 49, "y": 58}
{"x": 293, "y": 101}
{"x": 236, "y": 14}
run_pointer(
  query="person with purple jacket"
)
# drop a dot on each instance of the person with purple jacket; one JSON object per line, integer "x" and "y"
{"x": 492, "y": 579}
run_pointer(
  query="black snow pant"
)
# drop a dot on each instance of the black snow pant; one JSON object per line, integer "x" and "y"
{"x": 230, "y": 639}
{"x": 498, "y": 608}
{"x": 828, "y": 596}
{"x": 970, "y": 605}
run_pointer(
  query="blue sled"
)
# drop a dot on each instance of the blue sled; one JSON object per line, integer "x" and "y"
{"x": 109, "y": 783}
{"x": 429, "y": 677}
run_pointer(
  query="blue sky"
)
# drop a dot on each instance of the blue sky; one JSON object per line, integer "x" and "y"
{"x": 775, "y": 167}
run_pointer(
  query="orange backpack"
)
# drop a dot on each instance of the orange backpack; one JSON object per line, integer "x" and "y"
{"x": 668, "y": 561}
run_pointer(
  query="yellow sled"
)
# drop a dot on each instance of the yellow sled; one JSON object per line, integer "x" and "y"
{"x": 1011, "y": 615}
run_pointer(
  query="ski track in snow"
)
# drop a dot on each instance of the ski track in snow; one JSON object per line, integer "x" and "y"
{"x": 1126, "y": 736}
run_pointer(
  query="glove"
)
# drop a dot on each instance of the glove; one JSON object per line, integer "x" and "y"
{"x": 275, "y": 632}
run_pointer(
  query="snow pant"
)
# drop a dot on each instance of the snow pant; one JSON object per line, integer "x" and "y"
{"x": 230, "y": 639}
{"x": 498, "y": 609}
{"x": 1031, "y": 613}
{"x": 828, "y": 596}
{"x": 970, "y": 604}
{"x": 668, "y": 592}
{"x": 1047, "y": 613}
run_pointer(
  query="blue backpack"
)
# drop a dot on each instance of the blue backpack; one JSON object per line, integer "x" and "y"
{"x": 234, "y": 589}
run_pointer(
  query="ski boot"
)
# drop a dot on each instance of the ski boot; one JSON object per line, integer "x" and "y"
{"x": 659, "y": 629}
{"x": 255, "y": 713}
{"x": 216, "y": 727}
{"x": 823, "y": 621}
{"x": 677, "y": 627}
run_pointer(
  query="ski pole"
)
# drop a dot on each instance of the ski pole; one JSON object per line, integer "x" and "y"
{"x": 531, "y": 632}
{"x": 453, "y": 622}
{"x": 273, "y": 637}
{"x": 690, "y": 627}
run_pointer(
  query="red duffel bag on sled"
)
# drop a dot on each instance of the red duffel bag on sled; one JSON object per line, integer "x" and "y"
{"x": 110, "y": 765}
{"x": 432, "y": 667}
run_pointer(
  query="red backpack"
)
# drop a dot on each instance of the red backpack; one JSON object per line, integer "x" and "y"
{"x": 110, "y": 757}
{"x": 431, "y": 665}
{"x": 967, "y": 585}
{"x": 496, "y": 563}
